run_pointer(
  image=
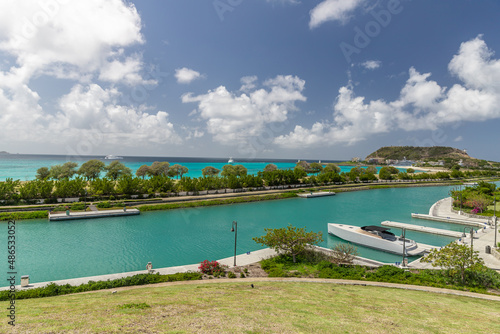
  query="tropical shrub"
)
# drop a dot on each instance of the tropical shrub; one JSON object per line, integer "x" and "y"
{"x": 78, "y": 206}
{"x": 212, "y": 268}
{"x": 103, "y": 205}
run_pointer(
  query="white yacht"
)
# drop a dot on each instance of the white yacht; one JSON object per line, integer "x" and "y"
{"x": 112, "y": 157}
{"x": 377, "y": 237}
{"x": 230, "y": 161}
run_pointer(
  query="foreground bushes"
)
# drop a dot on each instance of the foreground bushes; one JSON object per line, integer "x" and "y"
{"x": 141, "y": 279}
{"x": 322, "y": 267}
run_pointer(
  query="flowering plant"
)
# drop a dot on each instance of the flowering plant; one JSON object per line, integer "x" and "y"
{"x": 211, "y": 268}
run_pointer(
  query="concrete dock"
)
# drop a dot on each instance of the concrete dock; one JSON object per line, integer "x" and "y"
{"x": 423, "y": 229}
{"x": 451, "y": 220}
{"x": 93, "y": 214}
{"x": 482, "y": 238}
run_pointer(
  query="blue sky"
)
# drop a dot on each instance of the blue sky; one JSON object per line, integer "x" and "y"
{"x": 330, "y": 79}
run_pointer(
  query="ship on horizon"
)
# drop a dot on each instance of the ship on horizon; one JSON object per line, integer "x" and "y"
{"x": 112, "y": 157}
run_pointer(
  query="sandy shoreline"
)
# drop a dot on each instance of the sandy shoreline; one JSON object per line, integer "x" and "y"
{"x": 425, "y": 169}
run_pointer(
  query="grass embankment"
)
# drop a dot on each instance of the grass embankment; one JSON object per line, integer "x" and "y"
{"x": 314, "y": 264}
{"x": 269, "y": 307}
{"x": 487, "y": 281}
{"x": 223, "y": 201}
{"x": 21, "y": 215}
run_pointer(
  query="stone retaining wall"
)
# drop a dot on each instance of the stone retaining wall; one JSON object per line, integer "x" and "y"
{"x": 495, "y": 253}
{"x": 469, "y": 215}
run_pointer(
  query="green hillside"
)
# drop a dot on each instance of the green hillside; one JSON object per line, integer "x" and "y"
{"x": 419, "y": 153}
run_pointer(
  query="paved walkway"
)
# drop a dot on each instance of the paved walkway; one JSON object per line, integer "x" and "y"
{"x": 241, "y": 260}
{"x": 482, "y": 237}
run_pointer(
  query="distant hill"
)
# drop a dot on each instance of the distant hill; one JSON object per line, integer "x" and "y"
{"x": 419, "y": 153}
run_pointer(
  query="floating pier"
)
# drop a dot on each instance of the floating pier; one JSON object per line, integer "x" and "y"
{"x": 92, "y": 214}
{"x": 458, "y": 221}
{"x": 318, "y": 194}
{"x": 424, "y": 229}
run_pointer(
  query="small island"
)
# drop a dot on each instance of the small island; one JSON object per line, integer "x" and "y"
{"x": 435, "y": 156}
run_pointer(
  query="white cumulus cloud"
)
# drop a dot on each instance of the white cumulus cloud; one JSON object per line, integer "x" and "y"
{"x": 371, "y": 64}
{"x": 186, "y": 75}
{"x": 333, "y": 10}
{"x": 232, "y": 118}
{"x": 92, "y": 108}
{"x": 248, "y": 83}
{"x": 83, "y": 41}
{"x": 422, "y": 105}
{"x": 64, "y": 37}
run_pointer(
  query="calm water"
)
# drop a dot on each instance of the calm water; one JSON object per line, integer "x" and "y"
{"x": 23, "y": 166}
{"x": 59, "y": 250}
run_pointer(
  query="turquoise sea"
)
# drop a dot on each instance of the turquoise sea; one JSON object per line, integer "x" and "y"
{"x": 24, "y": 166}
{"x": 58, "y": 250}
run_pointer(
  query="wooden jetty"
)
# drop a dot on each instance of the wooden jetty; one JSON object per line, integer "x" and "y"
{"x": 92, "y": 214}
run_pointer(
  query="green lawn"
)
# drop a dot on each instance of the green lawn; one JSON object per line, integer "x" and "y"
{"x": 270, "y": 307}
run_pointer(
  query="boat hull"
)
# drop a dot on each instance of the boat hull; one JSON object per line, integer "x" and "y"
{"x": 353, "y": 234}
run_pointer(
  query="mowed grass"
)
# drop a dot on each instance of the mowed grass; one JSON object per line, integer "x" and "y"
{"x": 270, "y": 307}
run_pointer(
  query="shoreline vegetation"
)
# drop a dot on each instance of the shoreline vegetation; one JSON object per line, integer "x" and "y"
{"x": 163, "y": 187}
{"x": 34, "y": 199}
{"x": 171, "y": 203}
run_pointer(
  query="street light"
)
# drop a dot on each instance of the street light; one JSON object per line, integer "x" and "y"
{"x": 403, "y": 236}
{"x": 460, "y": 212}
{"x": 85, "y": 203}
{"x": 495, "y": 218}
{"x": 234, "y": 228}
{"x": 471, "y": 230}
